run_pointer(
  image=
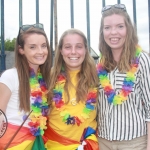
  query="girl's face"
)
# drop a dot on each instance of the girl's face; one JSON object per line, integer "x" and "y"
{"x": 35, "y": 50}
{"x": 115, "y": 32}
{"x": 73, "y": 51}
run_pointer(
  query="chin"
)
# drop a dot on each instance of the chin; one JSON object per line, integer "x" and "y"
{"x": 40, "y": 63}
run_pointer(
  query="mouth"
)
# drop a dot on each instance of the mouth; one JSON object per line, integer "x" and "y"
{"x": 73, "y": 58}
{"x": 114, "y": 40}
{"x": 39, "y": 57}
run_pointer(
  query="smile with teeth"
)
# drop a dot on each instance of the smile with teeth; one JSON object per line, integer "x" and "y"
{"x": 73, "y": 58}
{"x": 39, "y": 57}
{"x": 114, "y": 40}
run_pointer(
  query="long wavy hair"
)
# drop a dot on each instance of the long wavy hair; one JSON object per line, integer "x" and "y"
{"x": 130, "y": 44}
{"x": 22, "y": 67}
{"x": 87, "y": 76}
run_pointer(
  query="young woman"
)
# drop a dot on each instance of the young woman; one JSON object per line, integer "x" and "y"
{"x": 73, "y": 92}
{"x": 124, "y": 73}
{"x": 23, "y": 90}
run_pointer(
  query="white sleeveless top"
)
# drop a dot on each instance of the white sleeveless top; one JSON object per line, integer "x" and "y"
{"x": 13, "y": 114}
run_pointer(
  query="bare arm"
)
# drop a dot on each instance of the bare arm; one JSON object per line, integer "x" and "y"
{"x": 5, "y": 94}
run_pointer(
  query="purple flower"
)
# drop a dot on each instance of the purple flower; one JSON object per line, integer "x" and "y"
{"x": 109, "y": 92}
{"x": 24, "y": 117}
{"x": 127, "y": 88}
{"x": 44, "y": 111}
{"x": 135, "y": 61}
{"x": 92, "y": 100}
{"x": 57, "y": 97}
{"x": 38, "y": 99}
{"x": 33, "y": 130}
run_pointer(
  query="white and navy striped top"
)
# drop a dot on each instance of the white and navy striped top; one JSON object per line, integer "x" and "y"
{"x": 128, "y": 120}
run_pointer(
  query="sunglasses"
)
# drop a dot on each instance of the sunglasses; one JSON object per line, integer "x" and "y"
{"x": 26, "y": 27}
{"x": 119, "y": 6}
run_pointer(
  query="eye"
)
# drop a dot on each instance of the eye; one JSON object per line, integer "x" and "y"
{"x": 44, "y": 46}
{"x": 67, "y": 47}
{"x": 120, "y": 26}
{"x": 79, "y": 46}
{"x": 106, "y": 28}
{"x": 32, "y": 47}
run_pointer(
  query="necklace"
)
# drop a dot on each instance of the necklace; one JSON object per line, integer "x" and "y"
{"x": 39, "y": 104}
{"x": 73, "y": 101}
{"x": 60, "y": 105}
{"x": 128, "y": 82}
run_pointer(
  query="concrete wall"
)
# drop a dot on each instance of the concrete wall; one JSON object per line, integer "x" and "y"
{"x": 10, "y": 59}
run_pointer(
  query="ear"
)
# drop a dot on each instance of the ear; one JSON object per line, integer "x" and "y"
{"x": 21, "y": 51}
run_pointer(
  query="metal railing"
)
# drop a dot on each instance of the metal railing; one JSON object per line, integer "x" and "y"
{"x": 53, "y": 12}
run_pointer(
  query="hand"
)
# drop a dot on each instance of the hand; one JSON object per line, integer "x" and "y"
{"x": 81, "y": 147}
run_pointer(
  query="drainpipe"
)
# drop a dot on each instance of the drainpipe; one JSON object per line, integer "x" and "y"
{"x": 2, "y": 55}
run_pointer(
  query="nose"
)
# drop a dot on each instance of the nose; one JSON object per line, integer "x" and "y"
{"x": 40, "y": 50}
{"x": 113, "y": 31}
{"x": 73, "y": 50}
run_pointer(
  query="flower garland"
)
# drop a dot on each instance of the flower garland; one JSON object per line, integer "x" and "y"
{"x": 128, "y": 82}
{"x": 39, "y": 104}
{"x": 59, "y": 103}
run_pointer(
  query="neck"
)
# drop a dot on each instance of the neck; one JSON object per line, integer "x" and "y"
{"x": 116, "y": 55}
{"x": 35, "y": 69}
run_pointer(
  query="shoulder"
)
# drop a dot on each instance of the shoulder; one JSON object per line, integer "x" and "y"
{"x": 144, "y": 57}
{"x": 9, "y": 73}
{"x": 9, "y": 78}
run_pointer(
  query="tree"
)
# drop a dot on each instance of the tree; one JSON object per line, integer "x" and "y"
{"x": 9, "y": 44}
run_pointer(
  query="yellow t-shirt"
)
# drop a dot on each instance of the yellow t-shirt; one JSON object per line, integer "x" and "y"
{"x": 73, "y": 132}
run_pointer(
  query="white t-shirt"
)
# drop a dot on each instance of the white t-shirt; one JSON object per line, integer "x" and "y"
{"x": 13, "y": 114}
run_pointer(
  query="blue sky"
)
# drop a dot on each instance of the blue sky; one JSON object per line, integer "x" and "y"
{"x": 11, "y": 9}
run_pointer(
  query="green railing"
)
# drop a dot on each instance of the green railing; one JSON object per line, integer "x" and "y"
{"x": 53, "y": 17}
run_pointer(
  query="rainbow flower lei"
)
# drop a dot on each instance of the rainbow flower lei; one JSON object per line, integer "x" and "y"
{"x": 59, "y": 103}
{"x": 39, "y": 105}
{"x": 128, "y": 82}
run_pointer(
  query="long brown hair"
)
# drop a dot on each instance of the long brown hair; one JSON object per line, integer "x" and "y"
{"x": 22, "y": 67}
{"x": 87, "y": 76}
{"x": 130, "y": 44}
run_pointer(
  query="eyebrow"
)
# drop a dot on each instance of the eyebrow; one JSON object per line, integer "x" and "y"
{"x": 117, "y": 24}
{"x": 71, "y": 44}
{"x": 36, "y": 44}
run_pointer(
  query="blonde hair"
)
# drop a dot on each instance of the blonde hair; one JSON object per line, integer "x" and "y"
{"x": 22, "y": 67}
{"x": 87, "y": 76}
{"x": 130, "y": 44}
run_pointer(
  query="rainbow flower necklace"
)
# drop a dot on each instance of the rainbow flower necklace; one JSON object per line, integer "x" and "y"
{"x": 39, "y": 105}
{"x": 128, "y": 82}
{"x": 59, "y": 103}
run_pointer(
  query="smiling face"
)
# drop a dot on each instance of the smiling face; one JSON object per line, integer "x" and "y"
{"x": 73, "y": 51}
{"x": 35, "y": 50}
{"x": 115, "y": 32}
